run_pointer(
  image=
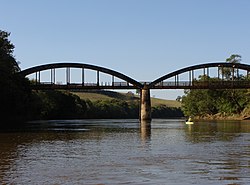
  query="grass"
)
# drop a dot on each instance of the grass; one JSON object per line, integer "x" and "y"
{"x": 169, "y": 103}
{"x": 92, "y": 96}
{"x": 109, "y": 95}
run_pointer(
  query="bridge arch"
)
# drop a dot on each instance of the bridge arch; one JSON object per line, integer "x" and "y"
{"x": 52, "y": 66}
{"x": 205, "y": 67}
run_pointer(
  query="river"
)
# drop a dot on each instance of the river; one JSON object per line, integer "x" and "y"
{"x": 121, "y": 152}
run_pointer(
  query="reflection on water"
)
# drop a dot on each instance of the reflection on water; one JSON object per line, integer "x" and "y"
{"x": 145, "y": 130}
{"x": 209, "y": 131}
{"x": 126, "y": 152}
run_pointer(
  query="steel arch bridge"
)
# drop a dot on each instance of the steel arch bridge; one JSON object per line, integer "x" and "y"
{"x": 185, "y": 78}
{"x": 215, "y": 76}
{"x": 124, "y": 83}
{"x": 238, "y": 73}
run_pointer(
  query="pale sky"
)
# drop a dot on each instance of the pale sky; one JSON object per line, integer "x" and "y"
{"x": 144, "y": 39}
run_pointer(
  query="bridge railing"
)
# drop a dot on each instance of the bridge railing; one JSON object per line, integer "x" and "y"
{"x": 86, "y": 85}
{"x": 202, "y": 84}
{"x": 222, "y": 84}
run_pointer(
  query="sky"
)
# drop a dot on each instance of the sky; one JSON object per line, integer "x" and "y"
{"x": 143, "y": 39}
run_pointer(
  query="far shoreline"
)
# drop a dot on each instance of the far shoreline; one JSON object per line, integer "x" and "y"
{"x": 234, "y": 117}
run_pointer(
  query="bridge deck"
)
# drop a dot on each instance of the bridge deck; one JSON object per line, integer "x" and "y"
{"x": 47, "y": 86}
{"x": 162, "y": 85}
{"x": 203, "y": 85}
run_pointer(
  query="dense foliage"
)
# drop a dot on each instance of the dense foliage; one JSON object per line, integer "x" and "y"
{"x": 211, "y": 102}
{"x": 224, "y": 103}
{"x": 15, "y": 91}
{"x": 166, "y": 112}
{"x": 65, "y": 105}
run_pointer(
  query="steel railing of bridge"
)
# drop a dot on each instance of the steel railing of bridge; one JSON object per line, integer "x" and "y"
{"x": 86, "y": 85}
{"x": 237, "y": 84}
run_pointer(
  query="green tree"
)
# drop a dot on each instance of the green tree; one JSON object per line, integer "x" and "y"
{"x": 229, "y": 72}
{"x": 15, "y": 92}
{"x": 234, "y": 59}
{"x": 198, "y": 102}
{"x": 8, "y": 64}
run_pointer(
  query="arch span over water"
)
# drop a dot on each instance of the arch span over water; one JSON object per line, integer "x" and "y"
{"x": 81, "y": 66}
{"x": 200, "y": 66}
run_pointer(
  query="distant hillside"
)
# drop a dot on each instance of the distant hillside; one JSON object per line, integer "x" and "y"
{"x": 168, "y": 103}
{"x": 109, "y": 95}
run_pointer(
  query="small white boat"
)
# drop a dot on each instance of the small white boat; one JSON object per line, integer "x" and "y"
{"x": 189, "y": 121}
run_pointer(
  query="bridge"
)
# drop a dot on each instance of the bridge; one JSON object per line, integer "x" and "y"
{"x": 203, "y": 76}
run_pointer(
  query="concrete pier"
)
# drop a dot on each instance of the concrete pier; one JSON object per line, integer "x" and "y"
{"x": 145, "y": 112}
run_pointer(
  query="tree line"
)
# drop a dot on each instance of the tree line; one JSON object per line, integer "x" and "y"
{"x": 221, "y": 103}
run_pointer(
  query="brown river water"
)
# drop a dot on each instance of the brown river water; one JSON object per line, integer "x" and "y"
{"x": 95, "y": 152}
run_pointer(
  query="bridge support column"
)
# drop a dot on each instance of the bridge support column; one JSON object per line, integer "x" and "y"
{"x": 145, "y": 108}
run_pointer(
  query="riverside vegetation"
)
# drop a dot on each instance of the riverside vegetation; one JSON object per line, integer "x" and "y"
{"x": 230, "y": 104}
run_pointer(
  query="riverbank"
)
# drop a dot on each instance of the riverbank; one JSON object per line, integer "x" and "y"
{"x": 237, "y": 117}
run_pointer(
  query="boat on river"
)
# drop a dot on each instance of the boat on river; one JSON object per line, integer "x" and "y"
{"x": 189, "y": 121}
